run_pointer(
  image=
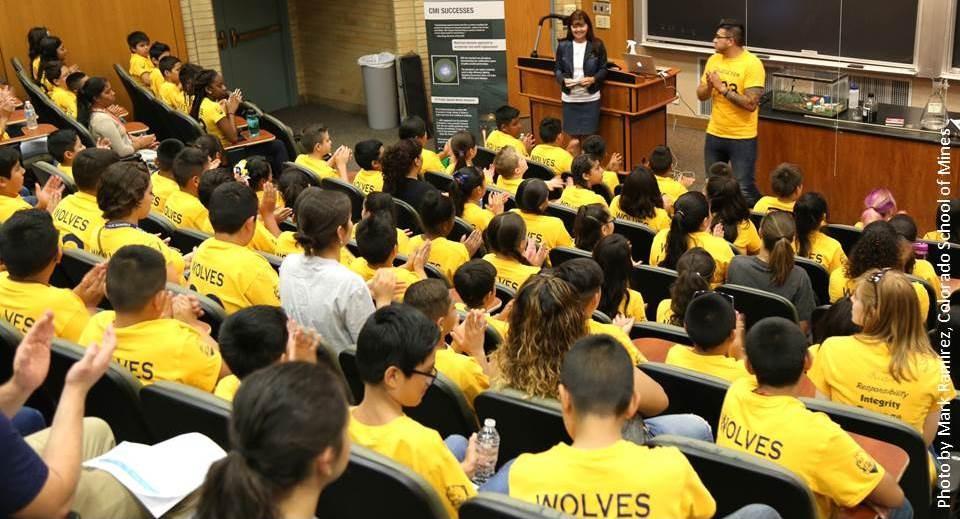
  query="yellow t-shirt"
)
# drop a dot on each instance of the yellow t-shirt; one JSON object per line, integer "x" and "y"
{"x": 740, "y": 73}
{"x": 500, "y": 326}
{"x": 422, "y": 450}
{"x": 66, "y": 170}
{"x": 156, "y": 79}
{"x": 25, "y": 302}
{"x": 161, "y": 349}
{"x": 598, "y": 328}
{"x": 78, "y": 217}
{"x": 172, "y": 95}
{"x": 665, "y": 312}
{"x": 318, "y": 166}
{"x": 497, "y": 140}
{"x": 163, "y": 187}
{"x": 610, "y": 179}
{"x": 546, "y": 231}
{"x": 464, "y": 372}
{"x": 445, "y": 254}
{"x": 210, "y": 114}
{"x": 718, "y": 248}
{"x": 477, "y": 216}
{"x": 660, "y": 220}
{"x": 138, "y": 65}
{"x": 233, "y": 275}
{"x": 781, "y": 429}
{"x": 553, "y": 157}
{"x": 65, "y": 99}
{"x": 186, "y": 212}
{"x": 670, "y": 186}
{"x": 108, "y": 240}
{"x": 748, "y": 239}
{"x": 510, "y": 273}
{"x": 766, "y": 203}
{"x": 636, "y": 309}
{"x": 576, "y": 196}
{"x": 924, "y": 270}
{"x": 826, "y": 251}
{"x": 841, "y": 287}
{"x": 263, "y": 240}
{"x": 368, "y": 181}
{"x": 509, "y": 185}
{"x": 227, "y": 387}
{"x": 403, "y": 276}
{"x": 720, "y": 366}
{"x": 855, "y": 371}
{"x": 10, "y": 205}
{"x": 934, "y": 236}
{"x": 621, "y": 480}
{"x": 430, "y": 161}
{"x": 287, "y": 244}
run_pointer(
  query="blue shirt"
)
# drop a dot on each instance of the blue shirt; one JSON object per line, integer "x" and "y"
{"x": 22, "y": 471}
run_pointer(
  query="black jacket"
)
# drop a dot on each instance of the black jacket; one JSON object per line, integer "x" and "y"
{"x": 594, "y": 63}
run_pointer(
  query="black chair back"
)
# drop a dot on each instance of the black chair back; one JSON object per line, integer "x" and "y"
{"x": 667, "y": 332}
{"x": 213, "y": 312}
{"x": 309, "y": 176}
{"x": 159, "y": 225}
{"x": 497, "y": 506}
{"x": 185, "y": 240}
{"x": 735, "y": 479}
{"x": 443, "y": 407}
{"x": 525, "y": 424}
{"x": 354, "y": 194}
{"x": 654, "y": 284}
{"x": 484, "y": 157}
{"x": 819, "y": 278}
{"x": 180, "y": 125}
{"x": 172, "y": 409}
{"x": 74, "y": 264}
{"x": 560, "y": 255}
{"x": 567, "y": 214}
{"x": 49, "y": 112}
{"x": 932, "y": 297}
{"x": 115, "y": 397}
{"x": 439, "y": 180}
{"x": 505, "y": 294}
{"x": 757, "y": 304}
{"x": 460, "y": 229}
{"x": 640, "y": 237}
{"x": 17, "y": 66}
{"x": 408, "y": 217}
{"x": 45, "y": 170}
{"x": 915, "y": 481}
{"x": 537, "y": 170}
{"x": 399, "y": 490}
{"x": 689, "y": 391}
{"x": 847, "y": 235}
{"x": 145, "y": 108}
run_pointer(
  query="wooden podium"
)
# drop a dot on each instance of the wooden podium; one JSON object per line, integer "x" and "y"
{"x": 633, "y": 109}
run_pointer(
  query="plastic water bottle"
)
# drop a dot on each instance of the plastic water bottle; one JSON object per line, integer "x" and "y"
{"x": 488, "y": 447}
{"x": 30, "y": 115}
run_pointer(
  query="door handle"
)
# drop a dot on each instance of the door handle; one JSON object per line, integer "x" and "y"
{"x": 254, "y": 33}
{"x": 221, "y": 40}
{"x": 234, "y": 37}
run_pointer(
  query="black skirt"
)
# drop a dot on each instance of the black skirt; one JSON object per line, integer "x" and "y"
{"x": 581, "y": 118}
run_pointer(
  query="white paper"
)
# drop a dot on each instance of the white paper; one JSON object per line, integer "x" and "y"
{"x": 161, "y": 475}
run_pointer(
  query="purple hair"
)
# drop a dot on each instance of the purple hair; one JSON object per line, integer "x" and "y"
{"x": 880, "y": 205}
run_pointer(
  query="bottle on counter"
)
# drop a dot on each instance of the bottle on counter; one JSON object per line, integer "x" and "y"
{"x": 870, "y": 109}
{"x": 853, "y": 102}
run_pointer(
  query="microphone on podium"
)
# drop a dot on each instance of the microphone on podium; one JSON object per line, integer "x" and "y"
{"x": 536, "y": 44}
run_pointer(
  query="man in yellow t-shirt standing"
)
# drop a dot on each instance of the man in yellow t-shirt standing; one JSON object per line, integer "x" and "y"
{"x": 733, "y": 80}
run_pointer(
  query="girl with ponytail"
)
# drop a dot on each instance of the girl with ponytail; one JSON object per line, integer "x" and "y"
{"x": 773, "y": 269}
{"x": 640, "y": 201}
{"x": 94, "y": 100}
{"x": 593, "y": 222}
{"x": 694, "y": 272}
{"x": 514, "y": 256}
{"x": 731, "y": 213}
{"x": 288, "y": 441}
{"x": 612, "y": 253}
{"x": 463, "y": 148}
{"x": 544, "y": 230}
{"x": 688, "y": 228}
{"x": 810, "y": 213}
{"x": 879, "y": 204}
{"x": 467, "y": 190}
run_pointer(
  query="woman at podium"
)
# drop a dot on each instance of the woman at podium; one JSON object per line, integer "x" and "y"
{"x": 580, "y": 69}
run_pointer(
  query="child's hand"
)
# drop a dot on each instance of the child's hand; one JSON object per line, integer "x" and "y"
{"x": 667, "y": 203}
{"x": 49, "y": 195}
{"x": 232, "y": 103}
{"x": 528, "y": 141}
{"x": 535, "y": 254}
{"x": 717, "y": 230}
{"x": 504, "y": 314}
{"x": 469, "y": 463}
{"x": 382, "y": 286}
{"x": 302, "y": 343}
{"x": 496, "y": 201}
{"x": 269, "y": 203}
{"x": 93, "y": 286}
{"x": 555, "y": 183}
{"x": 144, "y": 141}
{"x": 418, "y": 259}
{"x": 282, "y": 213}
{"x": 616, "y": 162}
{"x": 103, "y": 143}
{"x": 116, "y": 110}
{"x": 472, "y": 242}
{"x": 573, "y": 146}
{"x": 623, "y": 322}
{"x": 468, "y": 335}
{"x": 186, "y": 308}
{"x": 736, "y": 348}
{"x": 687, "y": 181}
{"x": 488, "y": 174}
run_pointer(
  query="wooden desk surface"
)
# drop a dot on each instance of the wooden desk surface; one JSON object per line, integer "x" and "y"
{"x": 264, "y": 136}
{"x": 42, "y": 130}
{"x": 892, "y": 458}
{"x": 17, "y": 117}
{"x": 136, "y": 128}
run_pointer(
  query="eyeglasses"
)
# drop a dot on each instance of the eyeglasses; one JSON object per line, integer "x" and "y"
{"x": 728, "y": 297}
{"x": 722, "y": 37}
{"x": 432, "y": 375}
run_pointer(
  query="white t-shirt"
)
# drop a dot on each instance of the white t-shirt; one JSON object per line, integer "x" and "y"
{"x": 326, "y": 296}
{"x": 579, "y": 94}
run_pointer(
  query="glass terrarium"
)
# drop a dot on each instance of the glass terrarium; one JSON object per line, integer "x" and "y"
{"x": 811, "y": 92}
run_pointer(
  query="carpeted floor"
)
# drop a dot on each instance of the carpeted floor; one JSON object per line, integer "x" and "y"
{"x": 350, "y": 128}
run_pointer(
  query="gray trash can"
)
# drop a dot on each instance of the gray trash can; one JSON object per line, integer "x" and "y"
{"x": 380, "y": 89}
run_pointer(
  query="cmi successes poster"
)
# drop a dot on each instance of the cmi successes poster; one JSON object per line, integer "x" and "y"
{"x": 468, "y": 63}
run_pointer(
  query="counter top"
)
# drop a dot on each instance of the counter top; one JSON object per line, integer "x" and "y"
{"x": 911, "y": 129}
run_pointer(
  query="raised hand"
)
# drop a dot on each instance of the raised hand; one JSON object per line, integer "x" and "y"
{"x": 45, "y": 195}
{"x": 472, "y": 242}
{"x": 31, "y": 362}
{"x": 302, "y": 343}
{"x": 87, "y": 371}
{"x": 623, "y": 322}
{"x": 93, "y": 285}
{"x": 496, "y": 201}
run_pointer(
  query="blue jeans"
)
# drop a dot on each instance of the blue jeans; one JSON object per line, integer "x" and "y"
{"x": 754, "y": 511}
{"x": 686, "y": 425}
{"x": 498, "y": 483}
{"x": 28, "y": 421}
{"x": 742, "y": 156}
{"x": 904, "y": 512}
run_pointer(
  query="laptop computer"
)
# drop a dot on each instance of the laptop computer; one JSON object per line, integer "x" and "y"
{"x": 640, "y": 64}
